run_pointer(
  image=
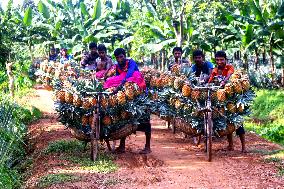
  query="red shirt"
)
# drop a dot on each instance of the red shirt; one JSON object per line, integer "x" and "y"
{"x": 229, "y": 69}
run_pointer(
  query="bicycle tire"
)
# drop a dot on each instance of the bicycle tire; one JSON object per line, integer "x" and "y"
{"x": 209, "y": 127}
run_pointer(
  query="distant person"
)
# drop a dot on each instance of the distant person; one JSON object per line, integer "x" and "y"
{"x": 200, "y": 66}
{"x": 104, "y": 62}
{"x": 52, "y": 55}
{"x": 177, "y": 58}
{"x": 89, "y": 61}
{"x": 64, "y": 56}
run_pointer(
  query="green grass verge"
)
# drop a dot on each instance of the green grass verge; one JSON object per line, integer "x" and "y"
{"x": 267, "y": 115}
{"x": 73, "y": 151}
{"x": 64, "y": 146}
{"x": 52, "y": 179}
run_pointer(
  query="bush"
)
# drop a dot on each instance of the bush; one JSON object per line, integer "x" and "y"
{"x": 267, "y": 113}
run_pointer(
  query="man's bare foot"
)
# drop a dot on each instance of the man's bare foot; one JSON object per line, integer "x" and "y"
{"x": 145, "y": 151}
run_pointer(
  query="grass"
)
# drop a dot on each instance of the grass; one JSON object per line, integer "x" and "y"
{"x": 103, "y": 164}
{"x": 64, "y": 146}
{"x": 276, "y": 157}
{"x": 267, "y": 115}
{"x": 51, "y": 179}
{"x": 73, "y": 151}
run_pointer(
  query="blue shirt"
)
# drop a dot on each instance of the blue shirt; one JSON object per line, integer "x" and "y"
{"x": 205, "y": 68}
{"x": 132, "y": 67}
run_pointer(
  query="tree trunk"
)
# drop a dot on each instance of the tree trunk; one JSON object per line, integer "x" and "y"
{"x": 256, "y": 58}
{"x": 31, "y": 50}
{"x": 272, "y": 63}
{"x": 11, "y": 78}
{"x": 163, "y": 60}
{"x": 264, "y": 56}
{"x": 282, "y": 79}
{"x": 245, "y": 66}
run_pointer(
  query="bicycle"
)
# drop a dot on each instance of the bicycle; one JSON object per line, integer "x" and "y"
{"x": 208, "y": 123}
{"x": 96, "y": 124}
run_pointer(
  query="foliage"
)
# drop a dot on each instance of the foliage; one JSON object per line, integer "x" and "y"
{"x": 64, "y": 146}
{"x": 51, "y": 179}
{"x": 267, "y": 115}
{"x": 12, "y": 132}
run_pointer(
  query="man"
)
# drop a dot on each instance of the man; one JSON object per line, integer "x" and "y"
{"x": 127, "y": 70}
{"x": 52, "y": 55}
{"x": 201, "y": 67}
{"x": 177, "y": 52}
{"x": 225, "y": 71}
{"x": 104, "y": 62}
{"x": 89, "y": 61}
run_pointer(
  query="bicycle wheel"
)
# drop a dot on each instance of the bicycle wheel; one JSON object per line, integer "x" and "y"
{"x": 94, "y": 141}
{"x": 208, "y": 127}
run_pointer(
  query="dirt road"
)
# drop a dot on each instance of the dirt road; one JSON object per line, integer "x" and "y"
{"x": 175, "y": 162}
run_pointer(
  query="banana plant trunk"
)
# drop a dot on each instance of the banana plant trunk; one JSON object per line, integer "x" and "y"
{"x": 163, "y": 60}
{"x": 256, "y": 58}
{"x": 272, "y": 63}
{"x": 282, "y": 79}
{"x": 245, "y": 66}
{"x": 11, "y": 78}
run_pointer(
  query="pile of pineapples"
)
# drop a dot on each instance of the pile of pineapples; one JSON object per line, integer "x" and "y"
{"x": 76, "y": 104}
{"x": 48, "y": 71}
{"x": 173, "y": 95}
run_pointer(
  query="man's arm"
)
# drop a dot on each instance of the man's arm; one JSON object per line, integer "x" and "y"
{"x": 131, "y": 68}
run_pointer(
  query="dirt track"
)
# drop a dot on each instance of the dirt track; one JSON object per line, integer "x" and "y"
{"x": 175, "y": 162}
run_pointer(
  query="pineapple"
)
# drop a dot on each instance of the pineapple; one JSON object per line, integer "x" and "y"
{"x": 178, "y": 104}
{"x": 186, "y": 90}
{"x": 115, "y": 119}
{"x": 215, "y": 113}
{"x": 91, "y": 119}
{"x": 240, "y": 108}
{"x": 171, "y": 81}
{"x": 124, "y": 115}
{"x": 77, "y": 101}
{"x": 203, "y": 95}
{"x": 235, "y": 77}
{"x": 176, "y": 68}
{"x": 92, "y": 101}
{"x": 104, "y": 102}
{"x": 237, "y": 86}
{"x": 107, "y": 120}
{"x": 85, "y": 120}
{"x": 60, "y": 96}
{"x": 231, "y": 107}
{"x": 112, "y": 101}
{"x": 195, "y": 93}
{"x": 214, "y": 96}
{"x": 86, "y": 104}
{"x": 153, "y": 81}
{"x": 130, "y": 92}
{"x": 121, "y": 98}
{"x": 245, "y": 85}
{"x": 229, "y": 90}
{"x": 178, "y": 83}
{"x": 69, "y": 97}
{"x": 221, "y": 95}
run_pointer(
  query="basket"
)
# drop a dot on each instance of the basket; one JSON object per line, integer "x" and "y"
{"x": 118, "y": 134}
{"x": 185, "y": 127}
{"x": 79, "y": 134}
{"x": 229, "y": 130}
{"x": 125, "y": 131}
